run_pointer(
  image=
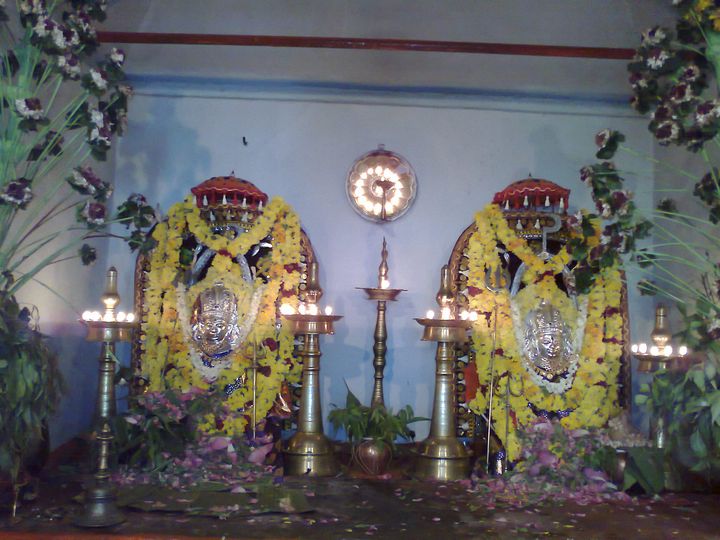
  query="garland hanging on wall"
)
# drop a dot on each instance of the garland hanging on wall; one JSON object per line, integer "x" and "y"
{"x": 587, "y": 395}
{"x": 167, "y": 354}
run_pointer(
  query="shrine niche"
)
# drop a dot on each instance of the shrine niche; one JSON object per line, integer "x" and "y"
{"x": 209, "y": 294}
{"x": 538, "y": 347}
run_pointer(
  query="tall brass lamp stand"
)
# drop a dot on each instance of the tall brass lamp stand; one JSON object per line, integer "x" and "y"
{"x": 107, "y": 328}
{"x": 382, "y": 293}
{"x": 442, "y": 456}
{"x": 309, "y": 451}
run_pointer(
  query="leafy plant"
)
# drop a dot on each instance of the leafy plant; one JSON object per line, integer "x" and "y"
{"x": 159, "y": 426}
{"x": 30, "y": 384}
{"x": 378, "y": 423}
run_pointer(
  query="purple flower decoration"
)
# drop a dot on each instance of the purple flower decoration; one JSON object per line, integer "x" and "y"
{"x": 586, "y": 175}
{"x": 662, "y": 113}
{"x": 714, "y": 330}
{"x": 85, "y": 181}
{"x": 69, "y": 65}
{"x": 653, "y": 36}
{"x": 638, "y": 80}
{"x": 681, "y": 93}
{"x": 667, "y": 132}
{"x": 17, "y": 193}
{"x": 602, "y": 138}
{"x": 707, "y": 112}
{"x": 94, "y": 213}
{"x": 690, "y": 73}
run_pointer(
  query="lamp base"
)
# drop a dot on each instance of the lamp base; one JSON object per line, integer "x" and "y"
{"x": 100, "y": 508}
{"x": 442, "y": 459}
{"x": 309, "y": 454}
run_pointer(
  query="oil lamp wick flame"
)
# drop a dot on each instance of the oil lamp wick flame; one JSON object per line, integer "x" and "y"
{"x": 383, "y": 268}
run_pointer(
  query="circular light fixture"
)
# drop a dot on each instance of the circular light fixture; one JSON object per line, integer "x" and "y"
{"x": 381, "y": 185}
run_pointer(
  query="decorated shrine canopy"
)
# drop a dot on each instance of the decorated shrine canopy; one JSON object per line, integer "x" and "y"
{"x": 532, "y": 192}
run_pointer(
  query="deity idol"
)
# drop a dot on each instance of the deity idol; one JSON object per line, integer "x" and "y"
{"x": 214, "y": 321}
{"x": 548, "y": 343}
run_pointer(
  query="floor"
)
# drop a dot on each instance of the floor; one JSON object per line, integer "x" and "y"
{"x": 350, "y": 506}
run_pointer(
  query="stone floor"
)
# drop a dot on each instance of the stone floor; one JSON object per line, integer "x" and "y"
{"x": 349, "y": 506}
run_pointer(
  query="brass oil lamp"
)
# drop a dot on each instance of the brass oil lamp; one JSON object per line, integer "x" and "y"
{"x": 382, "y": 294}
{"x": 309, "y": 451}
{"x": 660, "y": 355}
{"x": 442, "y": 456}
{"x": 106, "y": 328}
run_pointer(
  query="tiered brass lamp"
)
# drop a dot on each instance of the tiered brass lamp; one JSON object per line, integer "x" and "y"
{"x": 107, "y": 328}
{"x": 382, "y": 293}
{"x": 309, "y": 451}
{"x": 442, "y": 456}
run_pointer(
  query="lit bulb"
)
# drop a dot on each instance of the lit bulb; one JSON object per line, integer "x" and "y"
{"x": 683, "y": 350}
{"x": 634, "y": 348}
{"x": 389, "y": 208}
{"x": 370, "y": 171}
{"x": 358, "y": 191}
{"x": 378, "y": 170}
{"x": 384, "y": 284}
{"x": 430, "y": 314}
{"x": 130, "y": 317}
{"x": 108, "y": 317}
{"x": 377, "y": 208}
{"x": 312, "y": 309}
{"x": 121, "y": 316}
{"x": 387, "y": 173}
{"x": 328, "y": 310}
{"x": 363, "y": 176}
{"x": 445, "y": 313}
{"x": 362, "y": 200}
{"x": 473, "y": 316}
{"x": 287, "y": 309}
{"x": 668, "y": 350}
{"x": 87, "y": 315}
{"x": 642, "y": 348}
{"x": 654, "y": 351}
{"x": 368, "y": 205}
{"x": 464, "y": 315}
{"x": 302, "y": 310}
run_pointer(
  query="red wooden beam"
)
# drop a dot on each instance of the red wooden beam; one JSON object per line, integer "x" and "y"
{"x": 370, "y": 44}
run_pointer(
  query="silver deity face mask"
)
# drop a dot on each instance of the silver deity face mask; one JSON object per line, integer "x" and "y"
{"x": 548, "y": 341}
{"x": 214, "y": 321}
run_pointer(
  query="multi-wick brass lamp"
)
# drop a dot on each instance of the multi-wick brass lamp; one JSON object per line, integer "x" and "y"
{"x": 660, "y": 355}
{"x": 107, "y": 328}
{"x": 442, "y": 456}
{"x": 309, "y": 451}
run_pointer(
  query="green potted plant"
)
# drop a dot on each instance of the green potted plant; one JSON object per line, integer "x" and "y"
{"x": 59, "y": 110}
{"x": 372, "y": 431}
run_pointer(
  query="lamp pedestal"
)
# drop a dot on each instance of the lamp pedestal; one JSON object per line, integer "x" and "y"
{"x": 442, "y": 456}
{"x": 309, "y": 451}
{"x": 100, "y": 509}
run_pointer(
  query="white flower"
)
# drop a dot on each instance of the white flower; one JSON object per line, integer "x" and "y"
{"x": 69, "y": 65}
{"x": 97, "y": 118}
{"x": 58, "y": 37}
{"x": 41, "y": 27}
{"x": 34, "y": 7}
{"x": 117, "y": 56}
{"x": 606, "y": 211}
{"x": 29, "y": 108}
{"x": 653, "y": 36}
{"x": 97, "y": 137}
{"x": 657, "y": 59}
{"x": 98, "y": 79}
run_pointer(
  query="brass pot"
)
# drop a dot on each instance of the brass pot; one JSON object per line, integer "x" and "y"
{"x": 373, "y": 456}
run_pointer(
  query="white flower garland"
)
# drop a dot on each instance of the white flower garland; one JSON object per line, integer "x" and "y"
{"x": 211, "y": 373}
{"x": 566, "y": 382}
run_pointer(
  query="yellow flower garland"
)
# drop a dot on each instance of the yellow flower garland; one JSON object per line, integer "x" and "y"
{"x": 166, "y": 355}
{"x": 593, "y": 397}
